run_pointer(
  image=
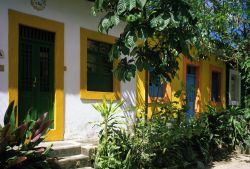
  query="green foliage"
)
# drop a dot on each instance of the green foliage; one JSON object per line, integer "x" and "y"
{"x": 112, "y": 136}
{"x": 117, "y": 149}
{"x": 228, "y": 129}
{"x": 225, "y": 33}
{"x": 245, "y": 69}
{"x": 18, "y": 146}
{"x": 108, "y": 112}
{"x": 170, "y": 140}
{"x": 155, "y": 33}
{"x": 246, "y": 147}
{"x": 224, "y": 27}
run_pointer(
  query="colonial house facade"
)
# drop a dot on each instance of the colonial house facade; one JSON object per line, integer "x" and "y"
{"x": 53, "y": 60}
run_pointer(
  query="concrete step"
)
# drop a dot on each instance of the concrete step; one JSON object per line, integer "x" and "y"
{"x": 63, "y": 148}
{"x": 88, "y": 149}
{"x": 65, "y": 151}
{"x": 72, "y": 154}
{"x": 75, "y": 161}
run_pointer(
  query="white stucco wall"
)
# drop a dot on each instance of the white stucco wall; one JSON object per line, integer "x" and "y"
{"x": 74, "y": 14}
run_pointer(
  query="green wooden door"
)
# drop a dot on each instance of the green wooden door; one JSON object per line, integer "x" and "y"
{"x": 36, "y": 72}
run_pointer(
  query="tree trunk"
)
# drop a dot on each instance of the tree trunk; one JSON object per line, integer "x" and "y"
{"x": 146, "y": 95}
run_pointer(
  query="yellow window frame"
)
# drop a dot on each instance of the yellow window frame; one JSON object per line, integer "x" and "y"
{"x": 86, "y": 34}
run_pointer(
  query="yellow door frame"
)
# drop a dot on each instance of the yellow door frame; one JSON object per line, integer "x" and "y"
{"x": 16, "y": 19}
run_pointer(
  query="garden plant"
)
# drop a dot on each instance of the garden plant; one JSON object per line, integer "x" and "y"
{"x": 19, "y": 145}
{"x": 171, "y": 140}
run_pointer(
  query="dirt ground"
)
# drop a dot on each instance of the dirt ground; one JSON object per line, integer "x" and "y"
{"x": 238, "y": 161}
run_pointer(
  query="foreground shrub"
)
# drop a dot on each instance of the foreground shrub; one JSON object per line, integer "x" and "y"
{"x": 110, "y": 153}
{"x": 170, "y": 139}
{"x": 195, "y": 142}
{"x": 18, "y": 146}
{"x": 228, "y": 129}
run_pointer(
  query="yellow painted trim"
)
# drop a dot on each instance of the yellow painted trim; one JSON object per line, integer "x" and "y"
{"x": 140, "y": 89}
{"x": 140, "y": 94}
{"x": 84, "y": 93}
{"x": 17, "y": 18}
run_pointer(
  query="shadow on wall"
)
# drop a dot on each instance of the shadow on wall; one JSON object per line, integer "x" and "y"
{"x": 3, "y": 88}
{"x": 128, "y": 93}
{"x": 129, "y": 107}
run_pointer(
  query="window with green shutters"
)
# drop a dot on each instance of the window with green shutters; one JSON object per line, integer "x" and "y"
{"x": 96, "y": 78}
{"x": 99, "y": 68}
{"x": 216, "y": 76}
{"x": 215, "y": 97}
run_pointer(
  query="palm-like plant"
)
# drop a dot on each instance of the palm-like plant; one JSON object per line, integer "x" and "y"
{"x": 108, "y": 111}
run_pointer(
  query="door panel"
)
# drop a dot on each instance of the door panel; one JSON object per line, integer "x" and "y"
{"x": 26, "y": 74}
{"x": 36, "y": 73}
{"x": 45, "y": 80}
{"x": 191, "y": 89}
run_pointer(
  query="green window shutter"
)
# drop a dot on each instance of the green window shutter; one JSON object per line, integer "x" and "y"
{"x": 215, "y": 87}
{"x": 99, "y": 69}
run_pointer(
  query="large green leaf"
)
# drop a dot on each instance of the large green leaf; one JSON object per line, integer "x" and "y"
{"x": 107, "y": 22}
{"x": 6, "y": 130}
{"x": 104, "y": 25}
{"x": 8, "y": 113}
{"x": 130, "y": 40}
{"x": 115, "y": 20}
{"x": 125, "y": 50}
{"x": 174, "y": 23}
{"x": 121, "y": 6}
{"x": 125, "y": 70}
{"x": 13, "y": 118}
{"x": 20, "y": 133}
{"x": 159, "y": 23}
{"x": 98, "y": 4}
{"x": 47, "y": 150}
{"x": 114, "y": 52}
{"x": 5, "y": 137}
{"x": 141, "y": 3}
{"x": 132, "y": 4}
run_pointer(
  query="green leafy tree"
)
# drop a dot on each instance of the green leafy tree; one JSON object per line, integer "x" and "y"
{"x": 225, "y": 29}
{"x": 156, "y": 32}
